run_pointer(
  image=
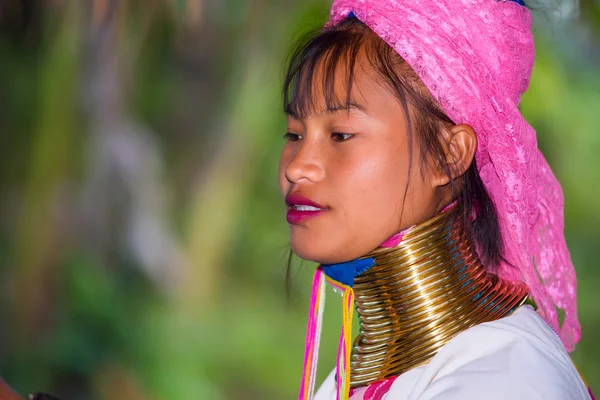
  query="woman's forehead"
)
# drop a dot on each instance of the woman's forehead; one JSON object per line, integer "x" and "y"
{"x": 335, "y": 83}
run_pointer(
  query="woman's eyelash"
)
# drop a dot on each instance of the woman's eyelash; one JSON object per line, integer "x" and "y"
{"x": 292, "y": 137}
{"x": 341, "y": 137}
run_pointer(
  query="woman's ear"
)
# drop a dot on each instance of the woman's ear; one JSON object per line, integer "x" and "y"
{"x": 459, "y": 143}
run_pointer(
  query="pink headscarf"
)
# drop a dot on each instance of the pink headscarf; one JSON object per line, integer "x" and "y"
{"x": 475, "y": 57}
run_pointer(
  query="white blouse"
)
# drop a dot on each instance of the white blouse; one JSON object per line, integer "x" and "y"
{"x": 517, "y": 357}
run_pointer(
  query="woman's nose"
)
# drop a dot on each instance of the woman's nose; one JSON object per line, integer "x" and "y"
{"x": 306, "y": 163}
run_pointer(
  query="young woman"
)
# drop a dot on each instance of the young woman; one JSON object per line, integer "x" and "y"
{"x": 412, "y": 178}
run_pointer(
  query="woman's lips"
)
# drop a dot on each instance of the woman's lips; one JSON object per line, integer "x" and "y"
{"x": 295, "y": 216}
{"x": 301, "y": 209}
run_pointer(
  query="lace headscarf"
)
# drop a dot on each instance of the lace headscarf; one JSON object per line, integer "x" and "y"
{"x": 475, "y": 57}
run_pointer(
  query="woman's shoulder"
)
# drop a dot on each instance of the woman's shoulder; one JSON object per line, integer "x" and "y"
{"x": 516, "y": 357}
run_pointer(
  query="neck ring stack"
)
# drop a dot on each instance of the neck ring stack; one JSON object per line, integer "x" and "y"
{"x": 421, "y": 294}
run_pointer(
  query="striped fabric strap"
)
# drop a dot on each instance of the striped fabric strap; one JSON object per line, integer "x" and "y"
{"x": 313, "y": 336}
{"x": 342, "y": 367}
{"x": 345, "y": 346}
{"x": 341, "y": 278}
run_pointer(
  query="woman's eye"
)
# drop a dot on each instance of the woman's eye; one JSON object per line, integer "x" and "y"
{"x": 341, "y": 137}
{"x": 292, "y": 137}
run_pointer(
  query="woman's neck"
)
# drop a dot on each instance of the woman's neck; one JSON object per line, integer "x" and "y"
{"x": 419, "y": 295}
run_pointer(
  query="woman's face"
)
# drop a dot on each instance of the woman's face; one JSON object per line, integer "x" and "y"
{"x": 344, "y": 172}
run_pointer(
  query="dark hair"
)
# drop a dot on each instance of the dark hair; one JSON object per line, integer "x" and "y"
{"x": 339, "y": 46}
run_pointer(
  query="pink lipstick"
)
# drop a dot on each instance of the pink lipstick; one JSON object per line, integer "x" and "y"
{"x": 301, "y": 209}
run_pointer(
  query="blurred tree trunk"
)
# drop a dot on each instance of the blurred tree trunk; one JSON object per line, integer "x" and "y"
{"x": 42, "y": 223}
{"x": 39, "y": 233}
{"x": 590, "y": 12}
{"x": 124, "y": 209}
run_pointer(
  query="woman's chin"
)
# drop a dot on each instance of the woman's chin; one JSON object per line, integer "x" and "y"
{"x": 310, "y": 253}
{"x": 320, "y": 254}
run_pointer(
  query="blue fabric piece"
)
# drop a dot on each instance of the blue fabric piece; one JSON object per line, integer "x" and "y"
{"x": 345, "y": 272}
{"x": 351, "y": 15}
{"x": 518, "y": 2}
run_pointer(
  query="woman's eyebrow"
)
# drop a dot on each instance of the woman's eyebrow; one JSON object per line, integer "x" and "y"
{"x": 345, "y": 107}
{"x": 290, "y": 110}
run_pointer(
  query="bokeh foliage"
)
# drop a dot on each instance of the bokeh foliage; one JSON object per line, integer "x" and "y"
{"x": 142, "y": 241}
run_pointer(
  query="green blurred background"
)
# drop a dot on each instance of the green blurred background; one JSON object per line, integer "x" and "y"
{"x": 143, "y": 245}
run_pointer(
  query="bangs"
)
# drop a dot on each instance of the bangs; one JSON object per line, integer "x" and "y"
{"x": 318, "y": 58}
{"x": 315, "y": 65}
